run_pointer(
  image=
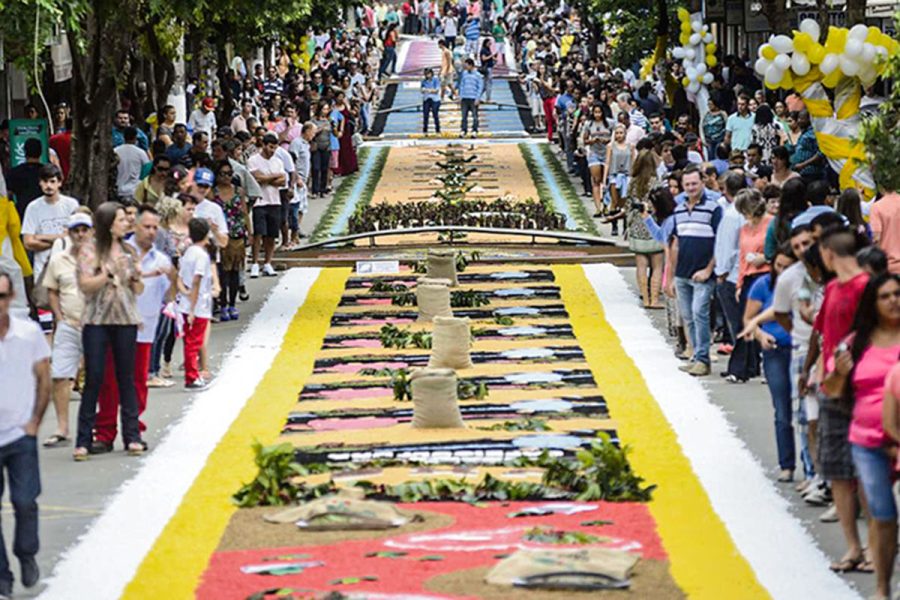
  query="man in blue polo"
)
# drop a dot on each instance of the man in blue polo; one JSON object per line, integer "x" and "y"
{"x": 431, "y": 100}
{"x": 469, "y": 90}
{"x": 696, "y": 221}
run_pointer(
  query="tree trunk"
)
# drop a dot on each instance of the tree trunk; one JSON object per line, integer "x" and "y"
{"x": 777, "y": 14}
{"x": 662, "y": 23}
{"x": 856, "y": 12}
{"x": 223, "y": 73}
{"x": 95, "y": 86}
{"x": 161, "y": 75}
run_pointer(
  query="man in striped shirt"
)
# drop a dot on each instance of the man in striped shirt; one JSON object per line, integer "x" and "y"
{"x": 695, "y": 223}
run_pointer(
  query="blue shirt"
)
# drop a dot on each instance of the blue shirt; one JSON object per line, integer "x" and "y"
{"x": 696, "y": 233}
{"x": 471, "y": 85}
{"x": 661, "y": 233}
{"x": 473, "y": 30}
{"x": 806, "y": 148}
{"x": 764, "y": 292}
{"x": 741, "y": 129}
{"x": 431, "y": 88}
{"x": 727, "y": 250}
{"x": 563, "y": 101}
{"x": 118, "y": 138}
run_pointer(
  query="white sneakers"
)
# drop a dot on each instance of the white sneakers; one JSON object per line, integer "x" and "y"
{"x": 254, "y": 270}
{"x": 268, "y": 270}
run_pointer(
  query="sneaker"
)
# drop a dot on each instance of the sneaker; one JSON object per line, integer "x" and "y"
{"x": 233, "y": 313}
{"x": 820, "y": 496}
{"x": 785, "y": 476}
{"x": 242, "y": 294}
{"x": 803, "y": 485}
{"x": 830, "y": 515}
{"x": 197, "y": 384}
{"x": 268, "y": 270}
{"x": 31, "y": 573}
{"x": 166, "y": 371}
{"x": 100, "y": 447}
{"x": 699, "y": 370}
{"x": 224, "y": 315}
{"x": 254, "y": 270}
{"x": 158, "y": 382}
{"x": 686, "y": 367}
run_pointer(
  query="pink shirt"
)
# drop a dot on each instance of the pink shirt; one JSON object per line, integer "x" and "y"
{"x": 867, "y": 428}
{"x": 884, "y": 218}
{"x": 752, "y": 240}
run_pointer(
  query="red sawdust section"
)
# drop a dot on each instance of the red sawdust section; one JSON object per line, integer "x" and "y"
{"x": 477, "y": 536}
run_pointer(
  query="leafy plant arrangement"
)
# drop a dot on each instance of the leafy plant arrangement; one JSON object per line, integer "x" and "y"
{"x": 462, "y": 261}
{"x": 503, "y": 320}
{"x": 543, "y": 535}
{"x": 532, "y": 424}
{"x": 560, "y": 182}
{"x": 273, "y": 485}
{"x": 386, "y": 287}
{"x": 878, "y": 132}
{"x": 328, "y": 224}
{"x": 399, "y": 381}
{"x": 470, "y": 390}
{"x": 599, "y": 473}
{"x": 468, "y": 299}
{"x": 490, "y": 488}
{"x": 406, "y": 298}
{"x": 392, "y": 336}
{"x": 504, "y": 213}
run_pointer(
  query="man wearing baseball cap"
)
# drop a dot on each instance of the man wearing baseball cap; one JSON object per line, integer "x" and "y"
{"x": 67, "y": 303}
{"x": 209, "y": 210}
{"x": 204, "y": 118}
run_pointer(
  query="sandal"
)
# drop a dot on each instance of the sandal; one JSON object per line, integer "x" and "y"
{"x": 80, "y": 454}
{"x": 56, "y": 440}
{"x": 866, "y": 566}
{"x": 847, "y": 565}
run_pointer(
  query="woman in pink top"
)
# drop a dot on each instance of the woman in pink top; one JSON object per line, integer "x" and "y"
{"x": 858, "y": 376}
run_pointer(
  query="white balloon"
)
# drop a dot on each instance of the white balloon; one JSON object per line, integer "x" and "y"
{"x": 868, "y": 75}
{"x": 849, "y": 66}
{"x": 868, "y": 54}
{"x": 783, "y": 62}
{"x": 811, "y": 27}
{"x": 695, "y": 39}
{"x": 707, "y": 38}
{"x": 881, "y": 51}
{"x": 853, "y": 49}
{"x": 759, "y": 51}
{"x": 701, "y": 68}
{"x": 678, "y": 52}
{"x": 782, "y": 44}
{"x": 694, "y": 87}
{"x": 858, "y": 32}
{"x": 697, "y": 25}
{"x": 690, "y": 53}
{"x": 691, "y": 73}
{"x": 829, "y": 64}
{"x": 800, "y": 64}
{"x": 761, "y": 66}
{"x": 774, "y": 75}
{"x": 707, "y": 78}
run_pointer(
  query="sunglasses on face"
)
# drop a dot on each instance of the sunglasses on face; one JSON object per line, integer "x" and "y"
{"x": 5, "y": 295}
{"x": 226, "y": 173}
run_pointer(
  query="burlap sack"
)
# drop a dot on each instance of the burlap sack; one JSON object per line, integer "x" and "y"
{"x": 450, "y": 343}
{"x": 442, "y": 264}
{"x": 435, "y": 404}
{"x": 526, "y": 563}
{"x": 341, "y": 512}
{"x": 433, "y": 298}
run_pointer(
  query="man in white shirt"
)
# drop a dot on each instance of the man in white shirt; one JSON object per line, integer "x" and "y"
{"x": 47, "y": 217}
{"x": 204, "y": 118}
{"x": 269, "y": 171}
{"x": 25, "y": 373}
{"x": 131, "y": 162}
{"x": 67, "y": 304}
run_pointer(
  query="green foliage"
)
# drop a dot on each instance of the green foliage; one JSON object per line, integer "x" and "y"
{"x": 468, "y": 299}
{"x": 392, "y": 336}
{"x": 532, "y": 424}
{"x": 273, "y": 485}
{"x": 599, "y": 473}
{"x": 559, "y": 182}
{"x": 403, "y": 298}
{"x": 470, "y": 390}
{"x": 878, "y": 133}
{"x": 386, "y": 287}
{"x": 503, "y": 320}
{"x": 543, "y": 535}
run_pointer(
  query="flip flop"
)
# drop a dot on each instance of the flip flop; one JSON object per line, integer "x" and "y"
{"x": 847, "y": 565}
{"x": 56, "y": 440}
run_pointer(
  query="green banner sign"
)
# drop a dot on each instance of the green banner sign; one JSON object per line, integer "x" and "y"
{"x": 22, "y": 129}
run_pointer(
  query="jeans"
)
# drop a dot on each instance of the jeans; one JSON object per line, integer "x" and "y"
{"x": 122, "y": 341}
{"x": 468, "y": 106}
{"x": 319, "y": 164}
{"x": 875, "y": 468}
{"x": 488, "y": 83}
{"x": 20, "y": 461}
{"x": 163, "y": 328}
{"x": 798, "y": 357}
{"x": 430, "y": 108}
{"x": 388, "y": 61}
{"x": 693, "y": 303}
{"x": 777, "y": 367}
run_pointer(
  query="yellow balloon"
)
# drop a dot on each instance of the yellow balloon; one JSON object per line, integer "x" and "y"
{"x": 711, "y": 61}
{"x": 832, "y": 79}
{"x": 771, "y": 86}
{"x": 802, "y": 42}
{"x": 685, "y": 39}
{"x": 711, "y": 48}
{"x": 787, "y": 82}
{"x": 683, "y": 14}
{"x": 685, "y": 82}
{"x": 816, "y": 53}
{"x": 769, "y": 53}
{"x": 873, "y": 35}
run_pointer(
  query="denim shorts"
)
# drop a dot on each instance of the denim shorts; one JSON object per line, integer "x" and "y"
{"x": 874, "y": 468}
